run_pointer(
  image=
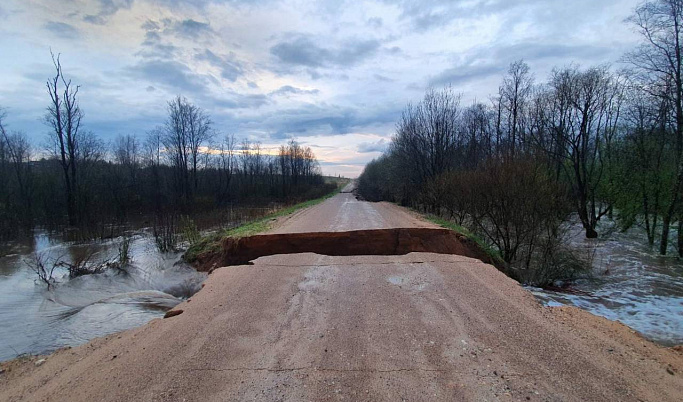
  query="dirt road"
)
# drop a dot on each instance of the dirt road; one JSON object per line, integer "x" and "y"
{"x": 343, "y": 212}
{"x": 419, "y": 327}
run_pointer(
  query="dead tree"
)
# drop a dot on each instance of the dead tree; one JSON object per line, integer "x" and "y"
{"x": 64, "y": 117}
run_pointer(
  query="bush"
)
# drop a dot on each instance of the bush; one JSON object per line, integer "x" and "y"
{"x": 554, "y": 263}
{"x": 164, "y": 231}
{"x": 189, "y": 231}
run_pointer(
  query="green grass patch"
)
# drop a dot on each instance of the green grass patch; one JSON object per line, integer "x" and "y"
{"x": 213, "y": 242}
{"x": 444, "y": 223}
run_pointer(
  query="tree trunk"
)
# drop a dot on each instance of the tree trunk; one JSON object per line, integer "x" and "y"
{"x": 666, "y": 222}
{"x": 591, "y": 233}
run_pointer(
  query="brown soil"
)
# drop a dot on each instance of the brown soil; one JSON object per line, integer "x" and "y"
{"x": 240, "y": 251}
{"x": 418, "y": 327}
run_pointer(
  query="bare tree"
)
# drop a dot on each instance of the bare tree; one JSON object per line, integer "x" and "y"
{"x": 659, "y": 63}
{"x": 188, "y": 128}
{"x": 428, "y": 135}
{"x": 153, "y": 149}
{"x": 199, "y": 134}
{"x": 514, "y": 94}
{"x": 593, "y": 98}
{"x": 18, "y": 149}
{"x": 64, "y": 117}
{"x": 227, "y": 162}
{"x": 126, "y": 151}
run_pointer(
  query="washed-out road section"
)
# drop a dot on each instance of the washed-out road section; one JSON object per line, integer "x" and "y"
{"x": 309, "y": 327}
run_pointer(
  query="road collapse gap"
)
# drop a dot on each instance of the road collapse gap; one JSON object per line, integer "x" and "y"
{"x": 399, "y": 241}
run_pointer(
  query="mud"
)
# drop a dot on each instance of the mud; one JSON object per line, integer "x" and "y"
{"x": 401, "y": 241}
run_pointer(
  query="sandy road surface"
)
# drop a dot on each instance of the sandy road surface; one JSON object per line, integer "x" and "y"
{"x": 420, "y": 327}
{"x": 343, "y": 212}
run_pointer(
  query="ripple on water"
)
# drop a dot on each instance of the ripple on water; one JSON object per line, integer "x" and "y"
{"x": 37, "y": 321}
{"x": 641, "y": 289}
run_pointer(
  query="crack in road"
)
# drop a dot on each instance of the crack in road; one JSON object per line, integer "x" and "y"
{"x": 314, "y": 368}
{"x": 265, "y": 264}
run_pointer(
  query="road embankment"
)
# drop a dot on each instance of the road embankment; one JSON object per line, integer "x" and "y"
{"x": 395, "y": 241}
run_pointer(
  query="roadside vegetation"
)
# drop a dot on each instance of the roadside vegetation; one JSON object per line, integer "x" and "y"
{"x": 586, "y": 144}
{"x": 180, "y": 178}
{"x": 212, "y": 242}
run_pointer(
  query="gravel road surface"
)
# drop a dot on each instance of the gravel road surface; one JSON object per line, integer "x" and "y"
{"x": 307, "y": 327}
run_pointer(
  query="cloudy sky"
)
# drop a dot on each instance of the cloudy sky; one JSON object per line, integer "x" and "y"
{"x": 333, "y": 74}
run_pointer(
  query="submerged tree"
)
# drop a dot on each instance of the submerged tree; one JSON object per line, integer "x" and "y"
{"x": 658, "y": 63}
{"x": 590, "y": 103}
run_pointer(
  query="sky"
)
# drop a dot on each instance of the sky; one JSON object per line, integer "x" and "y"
{"x": 333, "y": 74}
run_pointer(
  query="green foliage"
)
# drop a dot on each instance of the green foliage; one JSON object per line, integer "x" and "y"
{"x": 189, "y": 231}
{"x": 445, "y": 223}
{"x": 213, "y": 242}
{"x": 644, "y": 171}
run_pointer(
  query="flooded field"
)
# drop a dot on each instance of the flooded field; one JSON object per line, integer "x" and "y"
{"x": 631, "y": 284}
{"x": 36, "y": 320}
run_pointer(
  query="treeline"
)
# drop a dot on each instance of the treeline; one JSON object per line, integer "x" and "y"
{"x": 588, "y": 143}
{"x": 179, "y": 168}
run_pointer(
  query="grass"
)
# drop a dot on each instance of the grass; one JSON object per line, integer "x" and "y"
{"x": 213, "y": 242}
{"x": 444, "y": 223}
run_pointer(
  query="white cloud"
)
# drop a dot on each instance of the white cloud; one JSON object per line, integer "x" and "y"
{"x": 334, "y": 74}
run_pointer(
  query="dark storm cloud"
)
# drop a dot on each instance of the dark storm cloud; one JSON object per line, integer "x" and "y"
{"x": 190, "y": 29}
{"x": 290, "y": 90}
{"x": 303, "y": 51}
{"x": 494, "y": 61}
{"x": 150, "y": 25}
{"x": 234, "y": 100}
{"x": 231, "y": 68}
{"x": 176, "y": 77}
{"x": 107, "y": 9}
{"x": 375, "y": 22}
{"x": 312, "y": 120}
{"x": 536, "y": 51}
{"x": 382, "y": 78}
{"x": 154, "y": 46}
{"x": 171, "y": 74}
{"x": 427, "y": 15}
{"x": 424, "y": 21}
{"x": 168, "y": 29}
{"x": 466, "y": 73}
{"x": 158, "y": 51}
{"x": 379, "y": 146}
{"x": 202, "y": 4}
{"x": 62, "y": 30}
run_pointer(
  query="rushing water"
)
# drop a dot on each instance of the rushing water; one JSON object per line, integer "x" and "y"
{"x": 631, "y": 284}
{"x": 34, "y": 320}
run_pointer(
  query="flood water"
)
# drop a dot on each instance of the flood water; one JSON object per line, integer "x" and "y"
{"x": 34, "y": 320}
{"x": 631, "y": 283}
